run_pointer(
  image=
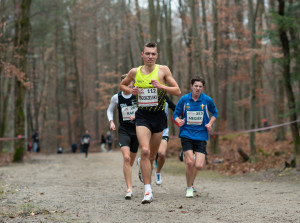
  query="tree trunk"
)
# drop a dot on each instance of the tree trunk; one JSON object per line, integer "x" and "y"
{"x": 152, "y": 21}
{"x": 22, "y": 37}
{"x": 194, "y": 7}
{"x": 140, "y": 38}
{"x": 206, "y": 68}
{"x": 287, "y": 78}
{"x": 65, "y": 94}
{"x": 253, "y": 99}
{"x": 214, "y": 142}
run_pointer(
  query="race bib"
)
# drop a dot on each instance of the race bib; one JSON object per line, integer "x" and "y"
{"x": 147, "y": 97}
{"x": 86, "y": 140}
{"x": 195, "y": 117}
{"x": 128, "y": 111}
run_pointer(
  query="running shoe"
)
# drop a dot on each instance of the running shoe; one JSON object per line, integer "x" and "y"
{"x": 194, "y": 189}
{"x": 128, "y": 194}
{"x": 140, "y": 171}
{"x": 148, "y": 198}
{"x": 189, "y": 193}
{"x": 158, "y": 178}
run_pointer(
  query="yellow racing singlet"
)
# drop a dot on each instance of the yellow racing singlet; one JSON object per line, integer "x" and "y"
{"x": 149, "y": 98}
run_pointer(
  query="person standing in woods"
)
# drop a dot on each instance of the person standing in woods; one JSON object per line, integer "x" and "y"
{"x": 127, "y": 106}
{"x": 191, "y": 114}
{"x": 85, "y": 142}
{"x": 103, "y": 143}
{"x": 36, "y": 140}
{"x": 150, "y": 87}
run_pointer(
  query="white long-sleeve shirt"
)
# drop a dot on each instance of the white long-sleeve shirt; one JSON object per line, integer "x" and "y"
{"x": 113, "y": 103}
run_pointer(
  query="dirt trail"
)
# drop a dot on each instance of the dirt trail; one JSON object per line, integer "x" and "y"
{"x": 67, "y": 188}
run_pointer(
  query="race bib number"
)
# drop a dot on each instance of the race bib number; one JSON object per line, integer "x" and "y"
{"x": 128, "y": 111}
{"x": 195, "y": 117}
{"x": 86, "y": 140}
{"x": 148, "y": 97}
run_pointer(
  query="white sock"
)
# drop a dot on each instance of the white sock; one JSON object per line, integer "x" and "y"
{"x": 148, "y": 188}
{"x": 189, "y": 188}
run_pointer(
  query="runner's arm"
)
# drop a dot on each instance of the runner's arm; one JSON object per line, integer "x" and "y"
{"x": 126, "y": 81}
{"x": 172, "y": 87}
{"x": 170, "y": 103}
{"x": 110, "y": 111}
{"x": 179, "y": 111}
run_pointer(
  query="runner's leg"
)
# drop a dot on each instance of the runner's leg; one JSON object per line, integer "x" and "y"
{"x": 127, "y": 163}
{"x": 144, "y": 137}
{"x": 189, "y": 166}
{"x": 162, "y": 152}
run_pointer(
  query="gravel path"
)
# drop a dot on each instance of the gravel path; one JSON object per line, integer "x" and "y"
{"x": 68, "y": 188}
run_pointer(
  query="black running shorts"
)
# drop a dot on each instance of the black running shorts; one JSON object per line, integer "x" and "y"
{"x": 165, "y": 138}
{"x": 195, "y": 145}
{"x": 127, "y": 137}
{"x": 155, "y": 121}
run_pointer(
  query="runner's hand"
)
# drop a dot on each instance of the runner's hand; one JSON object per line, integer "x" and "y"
{"x": 112, "y": 126}
{"x": 208, "y": 126}
{"x": 156, "y": 84}
{"x": 135, "y": 91}
{"x": 180, "y": 121}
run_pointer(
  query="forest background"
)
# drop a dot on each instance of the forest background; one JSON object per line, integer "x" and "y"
{"x": 61, "y": 61}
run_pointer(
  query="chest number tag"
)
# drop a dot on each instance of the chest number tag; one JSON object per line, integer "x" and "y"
{"x": 148, "y": 97}
{"x": 128, "y": 111}
{"x": 195, "y": 117}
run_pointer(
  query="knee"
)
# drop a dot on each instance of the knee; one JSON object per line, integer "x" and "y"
{"x": 162, "y": 155}
{"x": 145, "y": 153}
{"x": 199, "y": 167}
{"x": 127, "y": 159}
{"x": 190, "y": 164}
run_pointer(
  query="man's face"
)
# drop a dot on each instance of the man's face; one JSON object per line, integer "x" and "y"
{"x": 197, "y": 88}
{"x": 149, "y": 55}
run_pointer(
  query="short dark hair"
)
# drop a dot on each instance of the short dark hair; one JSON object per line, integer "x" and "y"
{"x": 197, "y": 78}
{"x": 151, "y": 45}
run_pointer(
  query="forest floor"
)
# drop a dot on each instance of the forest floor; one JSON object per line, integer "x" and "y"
{"x": 68, "y": 188}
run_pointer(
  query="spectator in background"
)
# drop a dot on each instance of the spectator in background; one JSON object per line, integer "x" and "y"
{"x": 85, "y": 142}
{"x": 74, "y": 147}
{"x": 36, "y": 139}
{"x": 109, "y": 140}
{"x": 103, "y": 143}
{"x": 59, "y": 150}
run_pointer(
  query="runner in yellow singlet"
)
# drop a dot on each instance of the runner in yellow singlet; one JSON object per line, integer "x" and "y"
{"x": 152, "y": 81}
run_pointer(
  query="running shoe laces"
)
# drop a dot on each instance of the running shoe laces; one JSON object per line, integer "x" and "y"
{"x": 148, "y": 198}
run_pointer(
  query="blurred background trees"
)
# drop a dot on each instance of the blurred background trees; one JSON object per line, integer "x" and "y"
{"x": 60, "y": 62}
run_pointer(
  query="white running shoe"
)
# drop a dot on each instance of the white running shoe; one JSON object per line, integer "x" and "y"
{"x": 148, "y": 198}
{"x": 128, "y": 194}
{"x": 158, "y": 178}
{"x": 189, "y": 193}
{"x": 138, "y": 161}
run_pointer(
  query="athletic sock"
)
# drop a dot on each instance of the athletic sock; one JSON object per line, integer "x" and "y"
{"x": 148, "y": 188}
{"x": 189, "y": 188}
